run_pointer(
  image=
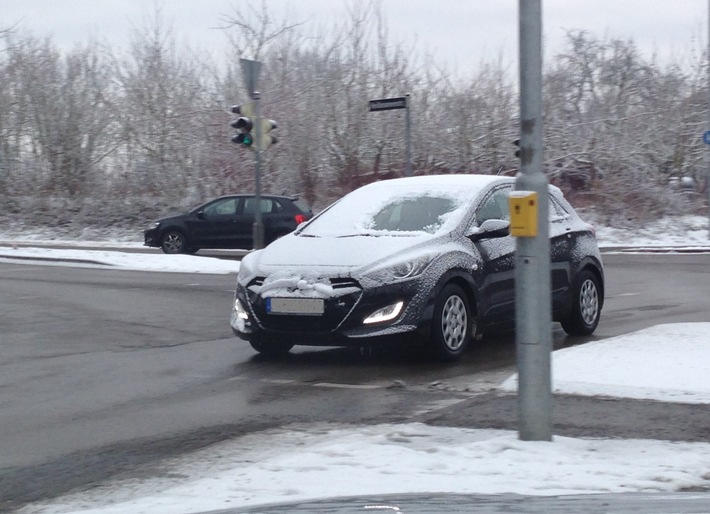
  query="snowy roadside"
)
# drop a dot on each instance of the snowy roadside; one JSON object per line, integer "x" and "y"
{"x": 688, "y": 233}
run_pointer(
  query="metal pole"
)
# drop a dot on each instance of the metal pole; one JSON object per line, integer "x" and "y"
{"x": 258, "y": 227}
{"x": 707, "y": 178}
{"x": 532, "y": 264}
{"x": 408, "y": 137}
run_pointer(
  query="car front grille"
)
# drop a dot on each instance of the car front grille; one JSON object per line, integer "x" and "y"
{"x": 336, "y": 309}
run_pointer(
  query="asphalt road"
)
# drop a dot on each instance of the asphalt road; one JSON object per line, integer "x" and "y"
{"x": 104, "y": 373}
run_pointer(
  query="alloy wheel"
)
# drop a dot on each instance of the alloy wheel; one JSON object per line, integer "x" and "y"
{"x": 588, "y": 302}
{"x": 454, "y": 320}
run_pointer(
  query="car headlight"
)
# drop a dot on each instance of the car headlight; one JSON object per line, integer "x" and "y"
{"x": 410, "y": 268}
{"x": 154, "y": 225}
{"x": 239, "y": 310}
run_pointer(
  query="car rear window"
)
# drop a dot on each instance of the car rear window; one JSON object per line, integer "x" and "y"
{"x": 301, "y": 205}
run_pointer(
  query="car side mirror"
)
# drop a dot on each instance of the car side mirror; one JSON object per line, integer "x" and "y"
{"x": 489, "y": 229}
{"x": 200, "y": 215}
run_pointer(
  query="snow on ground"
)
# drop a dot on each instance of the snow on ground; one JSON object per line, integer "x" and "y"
{"x": 670, "y": 363}
{"x": 155, "y": 261}
{"x": 303, "y": 462}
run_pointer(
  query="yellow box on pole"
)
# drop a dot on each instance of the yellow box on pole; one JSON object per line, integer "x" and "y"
{"x": 523, "y": 213}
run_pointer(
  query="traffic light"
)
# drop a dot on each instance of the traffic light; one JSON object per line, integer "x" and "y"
{"x": 265, "y": 127}
{"x": 517, "y": 143}
{"x": 244, "y": 124}
{"x": 248, "y": 125}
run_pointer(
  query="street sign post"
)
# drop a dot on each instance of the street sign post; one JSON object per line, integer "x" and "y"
{"x": 387, "y": 104}
{"x": 399, "y": 102}
{"x": 250, "y": 71}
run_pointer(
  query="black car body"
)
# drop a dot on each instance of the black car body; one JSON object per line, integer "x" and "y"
{"x": 428, "y": 255}
{"x": 226, "y": 222}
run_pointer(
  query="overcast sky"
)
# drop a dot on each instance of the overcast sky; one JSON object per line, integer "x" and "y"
{"x": 457, "y": 33}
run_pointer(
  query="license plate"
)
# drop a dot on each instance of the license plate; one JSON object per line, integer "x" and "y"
{"x": 295, "y": 306}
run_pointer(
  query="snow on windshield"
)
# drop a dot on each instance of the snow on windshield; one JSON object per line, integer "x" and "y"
{"x": 403, "y": 208}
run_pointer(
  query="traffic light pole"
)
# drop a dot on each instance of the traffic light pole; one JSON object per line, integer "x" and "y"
{"x": 258, "y": 227}
{"x": 532, "y": 262}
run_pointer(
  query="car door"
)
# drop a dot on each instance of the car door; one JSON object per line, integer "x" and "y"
{"x": 245, "y": 220}
{"x": 497, "y": 286}
{"x": 561, "y": 243}
{"x": 498, "y": 289}
{"x": 214, "y": 224}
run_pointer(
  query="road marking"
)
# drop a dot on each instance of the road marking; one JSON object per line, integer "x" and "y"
{"x": 278, "y": 380}
{"x": 347, "y": 386}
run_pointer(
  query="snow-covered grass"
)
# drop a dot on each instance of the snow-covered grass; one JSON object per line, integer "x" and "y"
{"x": 667, "y": 232}
{"x": 671, "y": 363}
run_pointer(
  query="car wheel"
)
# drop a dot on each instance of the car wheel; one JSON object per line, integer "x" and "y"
{"x": 173, "y": 242}
{"x": 586, "y": 309}
{"x": 452, "y": 324}
{"x": 270, "y": 348}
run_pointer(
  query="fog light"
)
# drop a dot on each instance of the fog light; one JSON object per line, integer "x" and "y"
{"x": 384, "y": 314}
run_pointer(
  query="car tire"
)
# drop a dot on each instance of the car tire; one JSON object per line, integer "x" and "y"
{"x": 586, "y": 308}
{"x": 270, "y": 348}
{"x": 452, "y": 324}
{"x": 173, "y": 242}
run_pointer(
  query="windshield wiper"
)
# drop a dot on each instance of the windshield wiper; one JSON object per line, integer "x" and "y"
{"x": 359, "y": 235}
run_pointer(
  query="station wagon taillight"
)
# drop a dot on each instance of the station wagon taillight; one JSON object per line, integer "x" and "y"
{"x": 300, "y": 218}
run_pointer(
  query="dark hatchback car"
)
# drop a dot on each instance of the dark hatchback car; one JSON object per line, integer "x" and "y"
{"x": 424, "y": 256}
{"x": 227, "y": 222}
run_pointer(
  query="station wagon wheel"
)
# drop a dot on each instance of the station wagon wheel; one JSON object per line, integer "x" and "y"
{"x": 270, "y": 348}
{"x": 173, "y": 242}
{"x": 452, "y": 323}
{"x": 586, "y": 307}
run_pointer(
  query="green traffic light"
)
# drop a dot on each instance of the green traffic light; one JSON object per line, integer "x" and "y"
{"x": 245, "y": 139}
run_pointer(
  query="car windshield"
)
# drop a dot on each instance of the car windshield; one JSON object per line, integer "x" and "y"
{"x": 393, "y": 211}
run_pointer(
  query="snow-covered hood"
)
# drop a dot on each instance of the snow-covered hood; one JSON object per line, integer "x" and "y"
{"x": 342, "y": 252}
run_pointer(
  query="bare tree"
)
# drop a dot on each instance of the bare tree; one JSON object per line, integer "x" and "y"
{"x": 163, "y": 104}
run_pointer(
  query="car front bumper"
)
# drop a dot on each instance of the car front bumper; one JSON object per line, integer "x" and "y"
{"x": 150, "y": 237}
{"x": 342, "y": 321}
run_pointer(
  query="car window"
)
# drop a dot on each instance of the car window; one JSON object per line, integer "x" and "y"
{"x": 494, "y": 206}
{"x": 266, "y": 205}
{"x": 301, "y": 205}
{"x": 423, "y": 213}
{"x": 381, "y": 210}
{"x": 557, "y": 211}
{"x": 223, "y": 207}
